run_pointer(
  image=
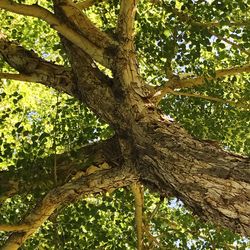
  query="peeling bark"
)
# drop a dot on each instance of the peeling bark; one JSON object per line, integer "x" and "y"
{"x": 213, "y": 183}
{"x": 99, "y": 182}
{"x": 35, "y": 68}
{"x": 68, "y": 165}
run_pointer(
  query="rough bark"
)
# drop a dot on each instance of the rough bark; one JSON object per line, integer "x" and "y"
{"x": 99, "y": 182}
{"x": 68, "y": 165}
{"x": 99, "y": 54}
{"x": 35, "y": 69}
{"x": 213, "y": 183}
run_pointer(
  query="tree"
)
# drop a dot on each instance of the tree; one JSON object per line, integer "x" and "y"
{"x": 127, "y": 63}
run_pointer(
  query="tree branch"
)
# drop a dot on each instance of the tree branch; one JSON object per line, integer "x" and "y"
{"x": 99, "y": 182}
{"x": 216, "y": 24}
{"x": 213, "y": 183}
{"x": 126, "y": 65}
{"x": 199, "y": 80}
{"x": 125, "y": 26}
{"x": 19, "y": 77}
{"x": 87, "y": 3}
{"x": 36, "y": 11}
{"x": 83, "y": 24}
{"x": 69, "y": 164}
{"x": 177, "y": 82}
{"x": 12, "y": 228}
{"x": 33, "y": 68}
{"x": 210, "y": 98}
{"x": 137, "y": 190}
{"x": 233, "y": 44}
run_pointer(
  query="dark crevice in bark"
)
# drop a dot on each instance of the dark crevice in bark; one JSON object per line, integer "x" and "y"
{"x": 215, "y": 184}
{"x": 29, "y": 63}
{"x": 210, "y": 181}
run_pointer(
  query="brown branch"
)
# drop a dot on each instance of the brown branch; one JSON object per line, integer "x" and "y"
{"x": 209, "y": 98}
{"x": 97, "y": 182}
{"x": 19, "y": 77}
{"x": 218, "y": 24}
{"x": 125, "y": 26}
{"x": 85, "y": 26}
{"x": 199, "y": 80}
{"x": 87, "y": 3}
{"x": 33, "y": 68}
{"x": 234, "y": 45}
{"x": 176, "y": 83}
{"x": 68, "y": 165}
{"x": 12, "y": 228}
{"x": 126, "y": 61}
{"x": 36, "y": 11}
{"x": 152, "y": 240}
{"x": 137, "y": 190}
{"x": 155, "y": 211}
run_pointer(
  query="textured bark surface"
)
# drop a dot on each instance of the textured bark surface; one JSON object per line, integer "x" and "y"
{"x": 215, "y": 184}
{"x": 99, "y": 182}
{"x": 68, "y": 165}
{"x": 147, "y": 146}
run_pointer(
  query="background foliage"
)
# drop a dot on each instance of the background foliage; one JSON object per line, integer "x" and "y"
{"x": 36, "y": 121}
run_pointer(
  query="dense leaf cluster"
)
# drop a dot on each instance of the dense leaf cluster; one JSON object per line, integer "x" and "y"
{"x": 36, "y": 121}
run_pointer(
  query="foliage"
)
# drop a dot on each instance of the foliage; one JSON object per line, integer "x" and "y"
{"x": 36, "y": 121}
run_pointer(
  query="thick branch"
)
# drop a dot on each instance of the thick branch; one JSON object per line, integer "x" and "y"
{"x": 68, "y": 164}
{"x": 125, "y": 66}
{"x": 12, "y": 228}
{"x": 36, "y": 11}
{"x": 125, "y": 28}
{"x": 18, "y": 77}
{"x": 83, "y": 24}
{"x": 214, "y": 183}
{"x": 92, "y": 82}
{"x": 87, "y": 3}
{"x": 98, "y": 182}
{"x": 33, "y": 68}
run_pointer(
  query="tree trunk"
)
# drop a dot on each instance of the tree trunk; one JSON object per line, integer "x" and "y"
{"x": 213, "y": 183}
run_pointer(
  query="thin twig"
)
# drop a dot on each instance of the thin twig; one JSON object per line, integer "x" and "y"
{"x": 55, "y": 139}
{"x": 210, "y": 98}
{"x": 185, "y": 17}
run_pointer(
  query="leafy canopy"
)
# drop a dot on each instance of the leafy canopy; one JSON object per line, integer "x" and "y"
{"x": 192, "y": 37}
